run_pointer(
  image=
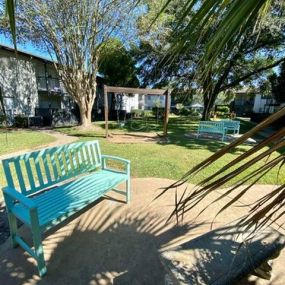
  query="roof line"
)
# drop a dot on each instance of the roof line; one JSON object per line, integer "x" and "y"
{"x": 20, "y": 51}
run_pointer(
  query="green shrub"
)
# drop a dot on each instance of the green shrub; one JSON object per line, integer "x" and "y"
{"x": 185, "y": 112}
{"x": 2, "y": 120}
{"x": 137, "y": 113}
{"x": 195, "y": 113}
{"x": 158, "y": 111}
{"x": 179, "y": 106}
{"x": 222, "y": 115}
{"x": 21, "y": 121}
{"x": 223, "y": 109}
{"x": 147, "y": 113}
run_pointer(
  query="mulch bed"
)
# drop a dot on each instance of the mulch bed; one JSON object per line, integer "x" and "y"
{"x": 137, "y": 138}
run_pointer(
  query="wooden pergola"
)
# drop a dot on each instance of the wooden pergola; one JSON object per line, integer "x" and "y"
{"x": 143, "y": 91}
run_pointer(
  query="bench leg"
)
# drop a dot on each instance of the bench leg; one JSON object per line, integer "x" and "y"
{"x": 11, "y": 219}
{"x": 128, "y": 190}
{"x": 13, "y": 228}
{"x": 38, "y": 248}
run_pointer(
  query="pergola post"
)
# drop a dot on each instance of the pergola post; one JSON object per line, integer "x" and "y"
{"x": 166, "y": 112}
{"x": 106, "y": 110}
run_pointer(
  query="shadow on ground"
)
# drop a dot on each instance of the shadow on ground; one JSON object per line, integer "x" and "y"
{"x": 4, "y": 227}
{"x": 91, "y": 250}
{"x": 177, "y": 129}
{"x": 114, "y": 243}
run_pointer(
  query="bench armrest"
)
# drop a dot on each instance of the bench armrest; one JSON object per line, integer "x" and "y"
{"x": 126, "y": 162}
{"x": 11, "y": 196}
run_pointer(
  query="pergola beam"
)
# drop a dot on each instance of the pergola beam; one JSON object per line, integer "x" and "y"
{"x": 113, "y": 89}
{"x": 128, "y": 90}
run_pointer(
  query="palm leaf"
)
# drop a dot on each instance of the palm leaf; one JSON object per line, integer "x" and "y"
{"x": 230, "y": 19}
{"x": 263, "y": 211}
{"x": 10, "y": 12}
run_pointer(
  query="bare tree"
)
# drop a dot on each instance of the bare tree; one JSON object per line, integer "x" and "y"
{"x": 73, "y": 32}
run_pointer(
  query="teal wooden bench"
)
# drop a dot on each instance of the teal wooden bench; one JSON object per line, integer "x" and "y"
{"x": 231, "y": 125}
{"x": 212, "y": 128}
{"x": 45, "y": 187}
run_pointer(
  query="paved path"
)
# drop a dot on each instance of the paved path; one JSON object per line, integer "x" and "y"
{"x": 60, "y": 139}
{"x": 115, "y": 243}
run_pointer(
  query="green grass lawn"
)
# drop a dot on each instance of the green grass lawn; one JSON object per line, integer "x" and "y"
{"x": 169, "y": 160}
{"x": 12, "y": 141}
{"x": 17, "y": 140}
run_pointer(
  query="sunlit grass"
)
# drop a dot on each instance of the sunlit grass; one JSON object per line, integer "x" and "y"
{"x": 175, "y": 158}
{"x": 12, "y": 141}
{"x": 170, "y": 160}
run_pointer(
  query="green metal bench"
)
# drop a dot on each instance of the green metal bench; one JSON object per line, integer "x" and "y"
{"x": 47, "y": 186}
{"x": 232, "y": 125}
{"x": 212, "y": 127}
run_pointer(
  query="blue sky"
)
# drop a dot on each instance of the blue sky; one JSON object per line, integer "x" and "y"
{"x": 27, "y": 47}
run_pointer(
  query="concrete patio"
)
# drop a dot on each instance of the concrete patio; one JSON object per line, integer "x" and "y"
{"x": 115, "y": 243}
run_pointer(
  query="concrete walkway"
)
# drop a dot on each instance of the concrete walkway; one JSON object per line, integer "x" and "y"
{"x": 60, "y": 138}
{"x": 115, "y": 243}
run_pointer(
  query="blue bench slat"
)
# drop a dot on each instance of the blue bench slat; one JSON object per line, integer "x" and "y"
{"x": 211, "y": 127}
{"x": 75, "y": 195}
{"x": 30, "y": 174}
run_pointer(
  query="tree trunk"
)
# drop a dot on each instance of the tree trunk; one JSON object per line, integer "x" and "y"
{"x": 206, "y": 114}
{"x": 209, "y": 100}
{"x": 85, "y": 115}
{"x": 207, "y": 107}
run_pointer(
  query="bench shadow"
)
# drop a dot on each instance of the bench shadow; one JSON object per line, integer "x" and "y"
{"x": 103, "y": 244}
{"x": 109, "y": 244}
{"x": 4, "y": 227}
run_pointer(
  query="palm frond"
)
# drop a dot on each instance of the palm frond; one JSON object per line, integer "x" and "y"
{"x": 228, "y": 20}
{"x": 10, "y": 12}
{"x": 264, "y": 210}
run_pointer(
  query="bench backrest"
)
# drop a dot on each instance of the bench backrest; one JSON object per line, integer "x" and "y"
{"x": 208, "y": 125}
{"x": 37, "y": 170}
{"x": 231, "y": 124}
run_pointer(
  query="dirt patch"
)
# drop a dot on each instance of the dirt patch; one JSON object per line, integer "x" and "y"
{"x": 137, "y": 138}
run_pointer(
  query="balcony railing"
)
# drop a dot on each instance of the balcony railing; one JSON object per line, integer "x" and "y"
{"x": 48, "y": 84}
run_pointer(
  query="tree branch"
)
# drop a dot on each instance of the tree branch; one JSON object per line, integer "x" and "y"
{"x": 259, "y": 70}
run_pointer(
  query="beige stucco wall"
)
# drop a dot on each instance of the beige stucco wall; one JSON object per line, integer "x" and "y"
{"x": 18, "y": 82}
